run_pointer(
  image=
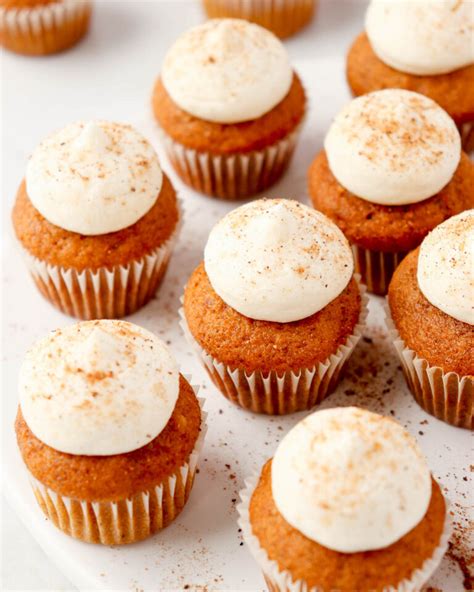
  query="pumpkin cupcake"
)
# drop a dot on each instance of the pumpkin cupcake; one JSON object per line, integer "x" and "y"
{"x": 39, "y": 27}
{"x": 109, "y": 431}
{"x": 96, "y": 219}
{"x": 421, "y": 46}
{"x": 229, "y": 108}
{"x": 347, "y": 503}
{"x": 274, "y": 311}
{"x": 391, "y": 170}
{"x": 282, "y": 18}
{"x": 431, "y": 303}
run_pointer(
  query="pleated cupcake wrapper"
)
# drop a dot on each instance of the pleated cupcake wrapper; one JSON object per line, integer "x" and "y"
{"x": 279, "y": 394}
{"x": 446, "y": 395}
{"x": 108, "y": 292}
{"x": 126, "y": 520}
{"x": 231, "y": 176}
{"x": 466, "y": 131}
{"x": 46, "y": 28}
{"x": 281, "y": 580}
{"x": 283, "y": 17}
{"x": 376, "y": 267}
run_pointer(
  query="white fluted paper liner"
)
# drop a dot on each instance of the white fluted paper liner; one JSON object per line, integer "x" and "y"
{"x": 283, "y": 17}
{"x": 46, "y": 28}
{"x": 376, "y": 267}
{"x": 466, "y": 131}
{"x": 126, "y": 520}
{"x": 281, "y": 580}
{"x": 446, "y": 395}
{"x": 107, "y": 292}
{"x": 275, "y": 394}
{"x": 231, "y": 176}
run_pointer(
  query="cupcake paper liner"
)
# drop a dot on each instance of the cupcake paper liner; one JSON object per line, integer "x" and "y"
{"x": 107, "y": 292}
{"x": 274, "y": 394}
{"x": 232, "y": 176}
{"x": 44, "y": 29}
{"x": 127, "y": 520}
{"x": 466, "y": 131}
{"x": 283, "y": 17}
{"x": 446, "y": 395}
{"x": 376, "y": 267}
{"x": 281, "y": 580}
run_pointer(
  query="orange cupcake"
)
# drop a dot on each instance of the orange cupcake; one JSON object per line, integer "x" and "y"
{"x": 431, "y": 319}
{"x": 274, "y": 312}
{"x": 392, "y": 169}
{"x": 39, "y": 27}
{"x": 282, "y": 18}
{"x": 420, "y": 46}
{"x": 347, "y": 503}
{"x": 229, "y": 107}
{"x": 109, "y": 431}
{"x": 96, "y": 219}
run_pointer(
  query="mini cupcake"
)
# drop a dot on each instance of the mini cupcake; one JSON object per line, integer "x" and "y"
{"x": 109, "y": 431}
{"x": 347, "y": 503}
{"x": 274, "y": 311}
{"x": 420, "y": 46}
{"x": 39, "y": 27}
{"x": 229, "y": 107}
{"x": 392, "y": 169}
{"x": 284, "y": 18}
{"x": 96, "y": 219}
{"x": 431, "y": 300}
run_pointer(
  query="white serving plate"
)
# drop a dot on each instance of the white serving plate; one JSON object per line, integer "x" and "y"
{"x": 110, "y": 76}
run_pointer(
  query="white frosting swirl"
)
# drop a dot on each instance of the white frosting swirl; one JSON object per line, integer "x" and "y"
{"x": 98, "y": 388}
{"x": 393, "y": 147}
{"x": 446, "y": 267}
{"x": 350, "y": 480}
{"x": 94, "y": 178}
{"x": 422, "y": 37}
{"x": 227, "y": 71}
{"x": 277, "y": 260}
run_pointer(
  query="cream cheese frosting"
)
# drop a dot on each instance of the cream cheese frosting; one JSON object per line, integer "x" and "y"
{"x": 422, "y": 37}
{"x": 277, "y": 260}
{"x": 227, "y": 71}
{"x": 350, "y": 480}
{"x": 98, "y": 388}
{"x": 94, "y": 178}
{"x": 446, "y": 267}
{"x": 393, "y": 147}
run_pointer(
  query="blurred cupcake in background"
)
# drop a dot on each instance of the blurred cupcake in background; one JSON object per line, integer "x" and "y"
{"x": 282, "y": 17}
{"x": 96, "y": 219}
{"x": 40, "y": 27}
{"x": 421, "y": 46}
{"x": 274, "y": 311}
{"x": 229, "y": 107}
{"x": 109, "y": 431}
{"x": 391, "y": 170}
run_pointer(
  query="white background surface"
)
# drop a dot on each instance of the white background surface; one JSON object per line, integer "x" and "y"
{"x": 110, "y": 75}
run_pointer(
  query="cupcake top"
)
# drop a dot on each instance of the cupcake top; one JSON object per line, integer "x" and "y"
{"x": 422, "y": 37}
{"x": 227, "y": 71}
{"x": 393, "y": 147}
{"x": 277, "y": 260}
{"x": 94, "y": 178}
{"x": 350, "y": 480}
{"x": 446, "y": 268}
{"x": 98, "y": 388}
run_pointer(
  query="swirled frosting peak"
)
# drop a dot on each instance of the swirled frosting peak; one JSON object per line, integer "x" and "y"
{"x": 98, "y": 388}
{"x": 422, "y": 37}
{"x": 277, "y": 260}
{"x": 393, "y": 147}
{"x": 446, "y": 267}
{"x": 350, "y": 480}
{"x": 94, "y": 178}
{"x": 227, "y": 71}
